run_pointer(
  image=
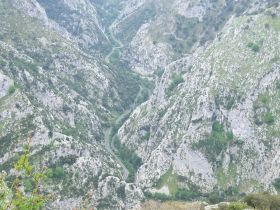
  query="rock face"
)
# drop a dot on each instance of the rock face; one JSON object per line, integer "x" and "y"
{"x": 52, "y": 87}
{"x": 213, "y": 117}
{"x": 67, "y": 72}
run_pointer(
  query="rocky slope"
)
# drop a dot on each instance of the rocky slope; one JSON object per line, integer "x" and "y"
{"x": 51, "y": 87}
{"x": 213, "y": 118}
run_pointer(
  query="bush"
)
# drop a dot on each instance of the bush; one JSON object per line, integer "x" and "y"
{"x": 268, "y": 118}
{"x": 278, "y": 85}
{"x": 215, "y": 143}
{"x": 276, "y": 184}
{"x": 263, "y": 201}
{"x": 56, "y": 173}
{"x": 237, "y": 206}
{"x": 121, "y": 192}
{"x": 11, "y": 89}
{"x": 176, "y": 80}
{"x": 20, "y": 63}
{"x": 158, "y": 196}
{"x": 17, "y": 198}
{"x": 253, "y": 46}
{"x": 185, "y": 194}
{"x": 216, "y": 197}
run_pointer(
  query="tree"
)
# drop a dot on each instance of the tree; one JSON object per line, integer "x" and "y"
{"x": 25, "y": 192}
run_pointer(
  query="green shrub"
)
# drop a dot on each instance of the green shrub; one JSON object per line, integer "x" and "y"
{"x": 217, "y": 127}
{"x": 28, "y": 185}
{"x": 276, "y": 184}
{"x": 263, "y": 201}
{"x": 278, "y": 85}
{"x": 121, "y": 192}
{"x": 216, "y": 197}
{"x": 15, "y": 198}
{"x": 158, "y": 196}
{"x": 2, "y": 63}
{"x": 129, "y": 158}
{"x": 11, "y": 89}
{"x": 237, "y": 206}
{"x": 176, "y": 80}
{"x": 264, "y": 99}
{"x": 253, "y": 46}
{"x": 56, "y": 173}
{"x": 268, "y": 118}
{"x": 186, "y": 194}
{"x": 20, "y": 63}
{"x": 215, "y": 143}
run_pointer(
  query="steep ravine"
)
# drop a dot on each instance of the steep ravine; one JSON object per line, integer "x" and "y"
{"x": 82, "y": 80}
{"x": 117, "y": 42}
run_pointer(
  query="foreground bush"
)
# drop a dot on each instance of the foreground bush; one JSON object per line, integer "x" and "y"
{"x": 237, "y": 206}
{"x": 263, "y": 201}
{"x": 25, "y": 191}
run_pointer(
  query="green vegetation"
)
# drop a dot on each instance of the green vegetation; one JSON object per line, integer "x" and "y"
{"x": 13, "y": 197}
{"x": 263, "y": 201}
{"x": 276, "y": 184}
{"x": 187, "y": 194}
{"x": 237, "y": 206}
{"x": 275, "y": 22}
{"x": 176, "y": 80}
{"x": 129, "y": 158}
{"x": 11, "y": 89}
{"x": 130, "y": 26}
{"x": 228, "y": 178}
{"x": 2, "y": 63}
{"x": 55, "y": 173}
{"x": 20, "y": 63}
{"x": 181, "y": 195}
{"x": 215, "y": 143}
{"x": 278, "y": 85}
{"x": 227, "y": 101}
{"x": 158, "y": 196}
{"x": 263, "y": 103}
{"x": 253, "y": 46}
{"x": 147, "y": 136}
{"x": 172, "y": 181}
{"x": 233, "y": 206}
{"x": 169, "y": 179}
{"x": 268, "y": 118}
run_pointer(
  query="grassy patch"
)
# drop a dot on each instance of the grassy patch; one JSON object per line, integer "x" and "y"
{"x": 176, "y": 80}
{"x": 215, "y": 142}
{"x": 262, "y": 109}
{"x": 226, "y": 180}
{"x": 20, "y": 63}
{"x": 275, "y": 23}
{"x": 254, "y": 46}
{"x": 268, "y": 118}
{"x": 169, "y": 179}
{"x": 11, "y": 89}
